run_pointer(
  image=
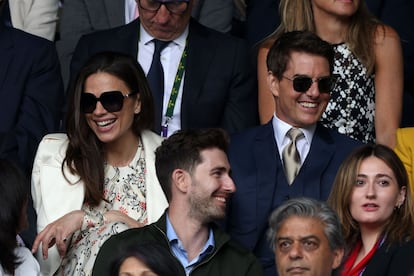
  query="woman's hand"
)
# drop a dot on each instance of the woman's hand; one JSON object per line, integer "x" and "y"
{"x": 59, "y": 233}
{"x": 117, "y": 216}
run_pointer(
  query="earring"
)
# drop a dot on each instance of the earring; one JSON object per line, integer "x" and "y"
{"x": 398, "y": 206}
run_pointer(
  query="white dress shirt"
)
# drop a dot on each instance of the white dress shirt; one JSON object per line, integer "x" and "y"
{"x": 170, "y": 59}
{"x": 303, "y": 145}
{"x": 130, "y": 10}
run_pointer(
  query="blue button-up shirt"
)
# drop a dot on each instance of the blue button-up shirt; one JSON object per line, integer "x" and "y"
{"x": 180, "y": 252}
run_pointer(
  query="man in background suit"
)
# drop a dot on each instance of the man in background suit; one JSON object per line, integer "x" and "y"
{"x": 38, "y": 17}
{"x": 31, "y": 95}
{"x": 300, "y": 68}
{"x": 217, "y": 88}
{"x": 215, "y": 14}
{"x": 81, "y": 17}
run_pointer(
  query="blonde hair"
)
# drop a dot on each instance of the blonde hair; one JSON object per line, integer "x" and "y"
{"x": 360, "y": 38}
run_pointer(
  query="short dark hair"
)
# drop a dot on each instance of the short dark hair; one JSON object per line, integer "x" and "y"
{"x": 297, "y": 41}
{"x": 153, "y": 255}
{"x": 14, "y": 195}
{"x": 182, "y": 151}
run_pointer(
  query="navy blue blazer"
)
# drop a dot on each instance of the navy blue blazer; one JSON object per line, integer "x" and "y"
{"x": 31, "y": 92}
{"x": 393, "y": 260}
{"x": 261, "y": 185}
{"x": 219, "y": 85}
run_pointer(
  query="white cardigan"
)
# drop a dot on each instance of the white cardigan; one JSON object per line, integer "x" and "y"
{"x": 53, "y": 196}
{"x": 38, "y": 17}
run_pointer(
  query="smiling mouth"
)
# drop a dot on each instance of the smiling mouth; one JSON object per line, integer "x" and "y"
{"x": 308, "y": 104}
{"x": 221, "y": 199}
{"x": 105, "y": 123}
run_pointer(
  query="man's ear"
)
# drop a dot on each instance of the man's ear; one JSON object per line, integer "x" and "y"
{"x": 273, "y": 83}
{"x": 338, "y": 256}
{"x": 181, "y": 180}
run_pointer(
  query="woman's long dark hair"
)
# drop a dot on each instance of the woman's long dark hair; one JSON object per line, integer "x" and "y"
{"x": 14, "y": 192}
{"x": 84, "y": 155}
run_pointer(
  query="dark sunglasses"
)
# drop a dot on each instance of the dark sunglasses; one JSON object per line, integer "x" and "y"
{"x": 302, "y": 83}
{"x": 112, "y": 101}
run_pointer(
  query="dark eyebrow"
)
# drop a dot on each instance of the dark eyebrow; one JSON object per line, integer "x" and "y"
{"x": 376, "y": 176}
{"x": 220, "y": 168}
{"x": 301, "y": 239}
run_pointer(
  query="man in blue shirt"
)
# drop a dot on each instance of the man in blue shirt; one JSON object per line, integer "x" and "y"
{"x": 193, "y": 170}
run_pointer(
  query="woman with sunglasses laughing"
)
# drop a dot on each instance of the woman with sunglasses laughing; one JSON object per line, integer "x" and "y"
{"x": 99, "y": 179}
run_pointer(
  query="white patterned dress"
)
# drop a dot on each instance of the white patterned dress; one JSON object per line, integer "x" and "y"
{"x": 125, "y": 191}
{"x": 351, "y": 109}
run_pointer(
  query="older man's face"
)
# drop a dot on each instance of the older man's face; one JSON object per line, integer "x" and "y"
{"x": 301, "y": 248}
{"x": 164, "y": 24}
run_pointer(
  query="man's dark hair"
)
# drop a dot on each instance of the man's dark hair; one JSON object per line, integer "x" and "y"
{"x": 182, "y": 151}
{"x": 297, "y": 41}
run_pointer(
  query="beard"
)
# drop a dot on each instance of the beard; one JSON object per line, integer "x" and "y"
{"x": 204, "y": 208}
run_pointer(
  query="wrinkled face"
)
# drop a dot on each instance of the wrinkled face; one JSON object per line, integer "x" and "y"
{"x": 211, "y": 186}
{"x": 375, "y": 193}
{"x": 134, "y": 267}
{"x": 335, "y": 8}
{"x": 111, "y": 127}
{"x": 300, "y": 109}
{"x": 163, "y": 24}
{"x": 301, "y": 248}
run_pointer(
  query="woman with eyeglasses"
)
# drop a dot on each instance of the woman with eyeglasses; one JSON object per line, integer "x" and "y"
{"x": 99, "y": 179}
{"x": 366, "y": 101}
{"x": 372, "y": 198}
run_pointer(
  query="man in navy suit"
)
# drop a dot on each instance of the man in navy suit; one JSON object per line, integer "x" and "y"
{"x": 217, "y": 88}
{"x": 300, "y": 77}
{"x": 31, "y": 93}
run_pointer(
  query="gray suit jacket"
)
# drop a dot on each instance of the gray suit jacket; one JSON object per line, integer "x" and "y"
{"x": 215, "y": 14}
{"x": 81, "y": 17}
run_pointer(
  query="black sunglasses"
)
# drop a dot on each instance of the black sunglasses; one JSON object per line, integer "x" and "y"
{"x": 302, "y": 83}
{"x": 112, "y": 101}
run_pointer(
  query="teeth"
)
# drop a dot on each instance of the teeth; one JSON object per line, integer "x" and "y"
{"x": 310, "y": 105}
{"x": 105, "y": 123}
{"x": 222, "y": 199}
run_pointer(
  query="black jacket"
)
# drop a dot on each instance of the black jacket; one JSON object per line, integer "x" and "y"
{"x": 227, "y": 259}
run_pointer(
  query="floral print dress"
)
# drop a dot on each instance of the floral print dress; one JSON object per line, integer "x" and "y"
{"x": 125, "y": 191}
{"x": 351, "y": 109}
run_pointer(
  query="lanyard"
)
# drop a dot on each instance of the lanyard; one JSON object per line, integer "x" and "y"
{"x": 174, "y": 92}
